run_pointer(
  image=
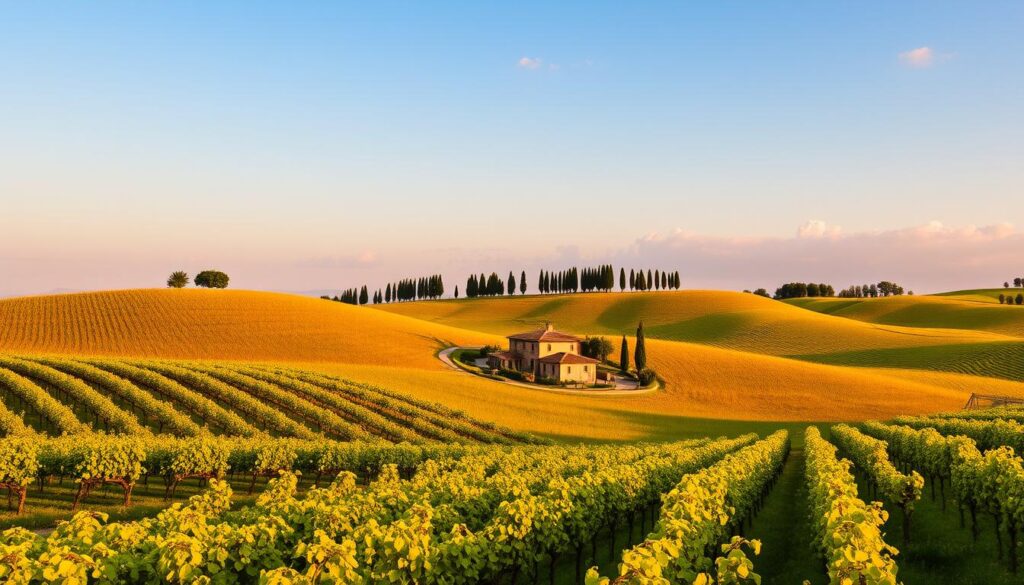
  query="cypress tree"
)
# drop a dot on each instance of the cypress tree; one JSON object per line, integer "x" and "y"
{"x": 622, "y": 279}
{"x": 640, "y": 357}
{"x": 632, "y": 279}
{"x": 522, "y": 283}
{"x": 657, "y": 280}
{"x": 387, "y": 293}
{"x": 624, "y": 356}
{"x": 649, "y": 283}
{"x": 511, "y": 284}
{"x": 456, "y": 291}
{"x": 364, "y": 296}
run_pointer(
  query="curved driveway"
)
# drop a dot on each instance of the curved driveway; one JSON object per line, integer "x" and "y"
{"x": 445, "y": 356}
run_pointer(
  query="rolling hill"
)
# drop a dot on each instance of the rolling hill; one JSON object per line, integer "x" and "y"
{"x": 716, "y": 373}
{"x": 220, "y": 324}
{"x": 720, "y": 318}
{"x": 965, "y": 310}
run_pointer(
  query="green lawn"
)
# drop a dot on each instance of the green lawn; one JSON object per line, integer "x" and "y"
{"x": 784, "y": 529}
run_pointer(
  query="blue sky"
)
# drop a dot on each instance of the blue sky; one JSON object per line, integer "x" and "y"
{"x": 333, "y": 142}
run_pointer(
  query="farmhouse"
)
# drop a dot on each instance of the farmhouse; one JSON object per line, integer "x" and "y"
{"x": 546, "y": 353}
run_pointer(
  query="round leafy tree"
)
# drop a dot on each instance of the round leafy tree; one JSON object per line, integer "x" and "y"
{"x": 212, "y": 279}
{"x": 178, "y": 279}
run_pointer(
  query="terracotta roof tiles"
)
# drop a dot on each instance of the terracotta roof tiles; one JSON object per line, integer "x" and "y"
{"x": 544, "y": 335}
{"x": 567, "y": 358}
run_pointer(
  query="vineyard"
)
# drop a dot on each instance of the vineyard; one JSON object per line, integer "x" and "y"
{"x": 58, "y": 396}
{"x": 370, "y": 510}
{"x": 126, "y": 469}
{"x": 413, "y": 514}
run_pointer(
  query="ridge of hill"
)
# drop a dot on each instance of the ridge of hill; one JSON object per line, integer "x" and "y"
{"x": 220, "y": 324}
{"x": 392, "y": 348}
{"x": 721, "y": 318}
{"x": 962, "y": 310}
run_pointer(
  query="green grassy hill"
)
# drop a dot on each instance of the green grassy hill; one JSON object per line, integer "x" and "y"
{"x": 984, "y": 295}
{"x": 965, "y": 310}
{"x": 720, "y": 318}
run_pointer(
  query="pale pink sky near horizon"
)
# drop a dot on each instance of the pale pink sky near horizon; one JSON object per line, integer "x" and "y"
{"x": 931, "y": 257}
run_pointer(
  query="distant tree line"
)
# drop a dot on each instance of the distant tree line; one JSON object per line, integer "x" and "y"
{"x": 351, "y": 296}
{"x": 564, "y": 281}
{"x": 571, "y": 280}
{"x": 760, "y": 292}
{"x": 658, "y": 280}
{"x": 796, "y": 290}
{"x": 488, "y": 286}
{"x": 600, "y": 278}
{"x": 407, "y": 289}
{"x": 411, "y": 289}
{"x": 205, "y": 279}
{"x": 1017, "y": 282}
{"x": 1011, "y": 300}
{"x": 881, "y": 289}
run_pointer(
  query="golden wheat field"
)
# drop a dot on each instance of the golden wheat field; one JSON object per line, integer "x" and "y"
{"x": 701, "y": 382}
{"x": 724, "y": 378}
{"x": 221, "y": 324}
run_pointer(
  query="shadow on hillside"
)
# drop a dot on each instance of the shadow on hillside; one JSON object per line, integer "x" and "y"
{"x": 664, "y": 427}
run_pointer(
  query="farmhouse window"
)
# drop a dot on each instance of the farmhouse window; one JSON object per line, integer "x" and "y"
{"x": 549, "y": 347}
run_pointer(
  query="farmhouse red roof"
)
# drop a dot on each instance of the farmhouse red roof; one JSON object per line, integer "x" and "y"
{"x": 544, "y": 335}
{"x": 503, "y": 355}
{"x": 567, "y": 358}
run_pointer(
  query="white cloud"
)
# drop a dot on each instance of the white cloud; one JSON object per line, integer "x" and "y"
{"x": 918, "y": 58}
{"x": 816, "y": 228}
{"x": 530, "y": 62}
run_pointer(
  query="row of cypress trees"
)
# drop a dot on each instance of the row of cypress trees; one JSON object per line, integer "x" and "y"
{"x": 602, "y": 278}
{"x": 559, "y": 282}
{"x": 489, "y": 286}
{"x": 597, "y": 278}
{"x": 407, "y": 289}
{"x": 658, "y": 280}
{"x": 352, "y": 296}
{"x": 411, "y": 289}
